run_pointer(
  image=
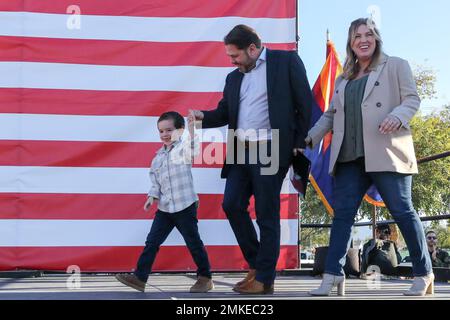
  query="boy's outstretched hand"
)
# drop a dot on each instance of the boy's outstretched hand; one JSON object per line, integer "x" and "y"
{"x": 191, "y": 126}
{"x": 148, "y": 203}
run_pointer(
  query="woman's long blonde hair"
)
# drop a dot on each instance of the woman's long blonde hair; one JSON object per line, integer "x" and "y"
{"x": 351, "y": 66}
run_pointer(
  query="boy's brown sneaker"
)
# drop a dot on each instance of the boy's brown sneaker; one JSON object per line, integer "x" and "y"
{"x": 202, "y": 285}
{"x": 132, "y": 281}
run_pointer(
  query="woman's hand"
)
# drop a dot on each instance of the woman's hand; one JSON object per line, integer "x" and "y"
{"x": 390, "y": 124}
{"x": 308, "y": 141}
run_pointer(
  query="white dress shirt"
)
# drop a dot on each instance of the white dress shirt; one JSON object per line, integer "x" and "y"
{"x": 253, "y": 114}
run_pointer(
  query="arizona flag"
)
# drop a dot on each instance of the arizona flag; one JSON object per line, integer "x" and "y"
{"x": 320, "y": 155}
{"x": 82, "y": 84}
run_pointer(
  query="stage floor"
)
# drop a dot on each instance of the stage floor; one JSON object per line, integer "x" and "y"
{"x": 176, "y": 287}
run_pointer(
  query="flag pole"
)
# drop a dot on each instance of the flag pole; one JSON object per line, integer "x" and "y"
{"x": 374, "y": 221}
{"x": 328, "y": 43}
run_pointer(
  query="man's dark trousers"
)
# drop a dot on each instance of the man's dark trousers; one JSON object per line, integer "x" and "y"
{"x": 243, "y": 181}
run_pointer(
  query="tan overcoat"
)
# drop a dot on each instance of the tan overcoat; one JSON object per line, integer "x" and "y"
{"x": 390, "y": 89}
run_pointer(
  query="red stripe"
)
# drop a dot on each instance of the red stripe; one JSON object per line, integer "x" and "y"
{"x": 108, "y": 52}
{"x": 333, "y": 64}
{"x": 317, "y": 94}
{"x": 112, "y": 206}
{"x": 120, "y": 259}
{"x": 334, "y": 67}
{"x": 95, "y": 154}
{"x": 326, "y": 142}
{"x": 121, "y": 53}
{"x": 167, "y": 8}
{"x": 90, "y": 102}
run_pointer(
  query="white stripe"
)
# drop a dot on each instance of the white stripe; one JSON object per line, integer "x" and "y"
{"x": 27, "y": 179}
{"x": 89, "y": 128}
{"x": 44, "y": 75}
{"x": 175, "y": 29}
{"x": 71, "y": 233}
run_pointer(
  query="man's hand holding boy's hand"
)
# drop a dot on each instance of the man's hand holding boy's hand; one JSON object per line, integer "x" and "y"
{"x": 195, "y": 115}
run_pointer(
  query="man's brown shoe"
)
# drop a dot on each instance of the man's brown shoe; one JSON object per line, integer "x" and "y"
{"x": 249, "y": 277}
{"x": 255, "y": 287}
{"x": 202, "y": 285}
{"x": 132, "y": 281}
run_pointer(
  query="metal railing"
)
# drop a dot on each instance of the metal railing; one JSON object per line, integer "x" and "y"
{"x": 370, "y": 223}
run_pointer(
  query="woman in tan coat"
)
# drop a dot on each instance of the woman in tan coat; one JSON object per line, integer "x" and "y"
{"x": 369, "y": 116}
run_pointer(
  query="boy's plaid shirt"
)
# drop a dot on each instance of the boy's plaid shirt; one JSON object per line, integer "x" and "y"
{"x": 171, "y": 177}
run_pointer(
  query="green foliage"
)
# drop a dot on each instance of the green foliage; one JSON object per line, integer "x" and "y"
{"x": 431, "y": 187}
{"x": 313, "y": 211}
{"x": 425, "y": 81}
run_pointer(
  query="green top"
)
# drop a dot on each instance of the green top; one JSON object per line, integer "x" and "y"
{"x": 353, "y": 145}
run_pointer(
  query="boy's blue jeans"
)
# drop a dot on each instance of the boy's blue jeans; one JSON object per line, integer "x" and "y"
{"x": 186, "y": 223}
{"x": 351, "y": 183}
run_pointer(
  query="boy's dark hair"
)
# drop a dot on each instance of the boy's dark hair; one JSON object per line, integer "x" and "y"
{"x": 177, "y": 119}
{"x": 429, "y": 231}
{"x": 242, "y": 37}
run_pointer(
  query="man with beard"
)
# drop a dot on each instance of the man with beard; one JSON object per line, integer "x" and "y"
{"x": 266, "y": 104}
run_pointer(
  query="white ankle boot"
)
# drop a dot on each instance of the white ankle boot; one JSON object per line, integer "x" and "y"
{"x": 421, "y": 286}
{"x": 330, "y": 281}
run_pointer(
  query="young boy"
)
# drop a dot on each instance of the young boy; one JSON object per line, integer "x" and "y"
{"x": 173, "y": 188}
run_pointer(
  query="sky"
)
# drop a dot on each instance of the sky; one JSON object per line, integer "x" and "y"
{"x": 418, "y": 31}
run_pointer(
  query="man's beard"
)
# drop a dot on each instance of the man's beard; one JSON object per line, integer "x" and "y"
{"x": 248, "y": 67}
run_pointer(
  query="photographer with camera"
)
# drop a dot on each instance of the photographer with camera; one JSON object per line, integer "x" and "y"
{"x": 381, "y": 252}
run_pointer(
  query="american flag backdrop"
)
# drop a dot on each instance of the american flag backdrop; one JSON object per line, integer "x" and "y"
{"x": 79, "y": 100}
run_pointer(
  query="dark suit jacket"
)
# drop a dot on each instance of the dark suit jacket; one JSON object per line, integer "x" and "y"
{"x": 289, "y": 98}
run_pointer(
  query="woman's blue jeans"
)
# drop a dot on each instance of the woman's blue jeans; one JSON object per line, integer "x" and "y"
{"x": 351, "y": 184}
